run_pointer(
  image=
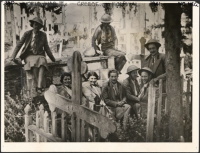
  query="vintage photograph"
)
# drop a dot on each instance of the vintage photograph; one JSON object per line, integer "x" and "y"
{"x": 108, "y": 72}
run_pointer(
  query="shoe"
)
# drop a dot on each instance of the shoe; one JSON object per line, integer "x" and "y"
{"x": 96, "y": 54}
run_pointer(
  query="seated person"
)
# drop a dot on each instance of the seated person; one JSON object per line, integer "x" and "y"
{"x": 132, "y": 90}
{"x": 106, "y": 36}
{"x": 65, "y": 90}
{"x": 92, "y": 93}
{"x": 91, "y": 90}
{"x": 146, "y": 75}
{"x": 114, "y": 95}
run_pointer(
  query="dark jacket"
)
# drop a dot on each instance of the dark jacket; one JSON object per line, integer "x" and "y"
{"x": 130, "y": 88}
{"x": 41, "y": 47}
{"x": 98, "y": 36}
{"x": 159, "y": 67}
{"x": 108, "y": 94}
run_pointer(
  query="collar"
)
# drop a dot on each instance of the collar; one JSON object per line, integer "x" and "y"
{"x": 94, "y": 85}
{"x": 156, "y": 55}
{"x": 33, "y": 33}
{"x": 132, "y": 79}
{"x": 67, "y": 87}
{"x": 110, "y": 82}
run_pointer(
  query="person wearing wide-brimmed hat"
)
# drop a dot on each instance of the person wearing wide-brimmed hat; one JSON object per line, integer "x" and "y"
{"x": 132, "y": 90}
{"x": 106, "y": 36}
{"x": 155, "y": 61}
{"x": 146, "y": 76}
{"x": 35, "y": 46}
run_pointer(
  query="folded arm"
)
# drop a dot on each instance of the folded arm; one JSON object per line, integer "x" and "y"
{"x": 107, "y": 100}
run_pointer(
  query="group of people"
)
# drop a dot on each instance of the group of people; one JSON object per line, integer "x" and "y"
{"x": 116, "y": 99}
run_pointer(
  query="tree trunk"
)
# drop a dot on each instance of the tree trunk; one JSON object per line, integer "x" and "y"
{"x": 172, "y": 45}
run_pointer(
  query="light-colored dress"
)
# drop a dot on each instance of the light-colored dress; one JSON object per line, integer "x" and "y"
{"x": 65, "y": 91}
{"x": 90, "y": 92}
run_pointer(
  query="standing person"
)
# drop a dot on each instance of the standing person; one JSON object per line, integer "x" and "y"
{"x": 66, "y": 88}
{"x": 35, "y": 46}
{"x": 146, "y": 76}
{"x": 155, "y": 61}
{"x": 114, "y": 96}
{"x": 106, "y": 36}
{"x": 132, "y": 90}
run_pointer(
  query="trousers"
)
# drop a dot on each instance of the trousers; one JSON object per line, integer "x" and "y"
{"x": 120, "y": 59}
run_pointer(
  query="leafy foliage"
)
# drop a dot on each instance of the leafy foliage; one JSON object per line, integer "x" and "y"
{"x": 135, "y": 133}
{"x": 14, "y": 114}
{"x": 30, "y": 7}
{"x": 108, "y": 8}
{"x": 14, "y": 119}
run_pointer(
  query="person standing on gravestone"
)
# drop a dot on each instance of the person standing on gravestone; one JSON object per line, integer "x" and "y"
{"x": 35, "y": 46}
{"x": 106, "y": 36}
{"x": 155, "y": 61}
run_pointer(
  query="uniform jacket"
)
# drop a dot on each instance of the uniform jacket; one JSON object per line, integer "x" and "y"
{"x": 143, "y": 95}
{"x": 108, "y": 94}
{"x": 159, "y": 67}
{"x": 41, "y": 45}
{"x": 130, "y": 88}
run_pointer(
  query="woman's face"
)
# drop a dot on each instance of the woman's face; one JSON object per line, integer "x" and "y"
{"x": 92, "y": 80}
{"x": 67, "y": 80}
{"x": 145, "y": 77}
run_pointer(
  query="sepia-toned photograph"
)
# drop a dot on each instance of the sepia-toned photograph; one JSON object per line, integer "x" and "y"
{"x": 115, "y": 73}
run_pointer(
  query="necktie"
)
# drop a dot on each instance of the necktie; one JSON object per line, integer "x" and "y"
{"x": 153, "y": 60}
{"x": 34, "y": 44}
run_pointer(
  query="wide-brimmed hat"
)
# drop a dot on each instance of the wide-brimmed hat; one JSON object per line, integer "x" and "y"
{"x": 106, "y": 18}
{"x": 132, "y": 68}
{"x": 38, "y": 20}
{"x": 152, "y": 41}
{"x": 146, "y": 69}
